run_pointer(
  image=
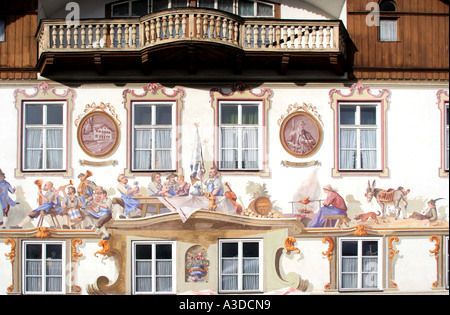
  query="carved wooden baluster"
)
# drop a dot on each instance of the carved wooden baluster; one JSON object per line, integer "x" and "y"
{"x": 112, "y": 34}
{"x": 61, "y": 36}
{"x": 306, "y": 37}
{"x": 158, "y": 29}
{"x": 224, "y": 29}
{"x": 75, "y": 37}
{"x": 278, "y": 36}
{"x": 177, "y": 26}
{"x": 127, "y": 36}
{"x": 133, "y": 36}
{"x": 270, "y": 36}
{"x": 285, "y": 36}
{"x": 69, "y": 36}
{"x": 90, "y": 36}
{"x": 198, "y": 25}
{"x": 217, "y": 27}
{"x": 147, "y": 33}
{"x": 236, "y": 33}
{"x": 205, "y": 26}
{"x": 328, "y": 37}
{"x": 170, "y": 26}
{"x": 320, "y": 46}
{"x": 255, "y": 36}
{"x": 263, "y": 36}
{"x": 119, "y": 35}
{"x": 314, "y": 37}
{"x": 83, "y": 36}
{"x": 152, "y": 31}
{"x": 184, "y": 25}
{"x": 104, "y": 35}
{"x": 248, "y": 36}
{"x": 53, "y": 35}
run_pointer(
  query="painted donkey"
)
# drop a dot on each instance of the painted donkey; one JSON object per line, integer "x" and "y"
{"x": 387, "y": 197}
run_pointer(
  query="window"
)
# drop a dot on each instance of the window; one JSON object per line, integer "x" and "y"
{"x": 44, "y": 136}
{"x": 360, "y": 264}
{"x": 2, "y": 30}
{"x": 240, "y": 267}
{"x": 240, "y": 7}
{"x": 388, "y": 24}
{"x": 388, "y": 30}
{"x": 153, "y": 267}
{"x": 43, "y": 268}
{"x": 240, "y": 135}
{"x": 153, "y": 136}
{"x": 143, "y": 7}
{"x": 359, "y": 136}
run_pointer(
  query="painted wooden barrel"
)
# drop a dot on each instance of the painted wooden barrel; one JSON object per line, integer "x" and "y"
{"x": 261, "y": 205}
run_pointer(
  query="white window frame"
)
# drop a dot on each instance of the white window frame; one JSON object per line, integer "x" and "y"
{"x": 240, "y": 128}
{"x": 45, "y": 128}
{"x": 380, "y": 257}
{"x": 153, "y": 245}
{"x": 154, "y": 127}
{"x": 43, "y": 272}
{"x": 240, "y": 274}
{"x": 149, "y": 6}
{"x": 358, "y": 127}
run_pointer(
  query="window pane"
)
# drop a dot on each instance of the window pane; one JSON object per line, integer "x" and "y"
{"x": 246, "y": 8}
{"x": 163, "y": 251}
{"x": 388, "y": 30}
{"x": 230, "y": 250}
{"x": 251, "y": 282}
{"x": 121, "y": 9}
{"x": 230, "y": 114}
{"x": 368, "y": 115}
{"x": 33, "y": 114}
{"x": 348, "y": 115}
{"x": 264, "y": 9}
{"x": 54, "y": 115}
{"x": 163, "y": 138}
{"x": 250, "y": 159}
{"x": 370, "y": 248}
{"x": 163, "y": 115}
{"x": 226, "y": 5}
{"x": 34, "y": 251}
{"x": 143, "y": 252}
{"x": 229, "y": 138}
{"x": 139, "y": 8}
{"x": 143, "y": 139}
{"x": 350, "y": 248}
{"x": 250, "y": 266}
{"x": 251, "y": 250}
{"x": 229, "y": 159}
{"x": 2, "y": 30}
{"x": 33, "y": 138}
{"x": 348, "y": 139}
{"x": 159, "y": 5}
{"x": 54, "y": 251}
{"x": 250, "y": 115}
{"x": 206, "y": 3}
{"x": 229, "y": 283}
{"x": 179, "y": 3}
{"x": 142, "y": 115}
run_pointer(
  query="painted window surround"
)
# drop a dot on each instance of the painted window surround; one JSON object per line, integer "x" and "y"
{"x": 44, "y": 93}
{"x": 360, "y": 93}
{"x": 242, "y": 93}
{"x": 442, "y": 102}
{"x": 154, "y": 92}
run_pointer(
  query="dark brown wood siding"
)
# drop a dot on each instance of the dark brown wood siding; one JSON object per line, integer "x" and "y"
{"x": 421, "y": 52}
{"x": 18, "y": 53}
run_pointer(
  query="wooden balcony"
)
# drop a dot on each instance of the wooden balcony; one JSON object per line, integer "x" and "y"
{"x": 193, "y": 38}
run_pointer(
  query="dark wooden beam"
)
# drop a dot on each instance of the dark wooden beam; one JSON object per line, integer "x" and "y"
{"x": 99, "y": 64}
{"x": 192, "y": 59}
{"x": 284, "y": 64}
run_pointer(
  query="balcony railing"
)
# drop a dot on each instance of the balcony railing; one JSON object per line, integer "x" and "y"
{"x": 192, "y": 24}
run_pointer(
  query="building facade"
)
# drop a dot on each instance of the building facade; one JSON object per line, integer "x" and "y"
{"x": 211, "y": 128}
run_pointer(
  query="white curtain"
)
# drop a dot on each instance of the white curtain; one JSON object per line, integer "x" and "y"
{"x": 142, "y": 149}
{"x": 251, "y": 273}
{"x": 368, "y": 146}
{"x": 54, "y": 149}
{"x": 229, "y": 274}
{"x": 33, "y": 159}
{"x": 250, "y": 142}
{"x": 229, "y": 148}
{"x": 206, "y": 3}
{"x": 163, "y": 276}
{"x": 347, "y": 157}
{"x": 388, "y": 30}
{"x": 163, "y": 149}
{"x": 350, "y": 272}
{"x": 53, "y": 276}
{"x": 33, "y": 276}
{"x": 264, "y": 10}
